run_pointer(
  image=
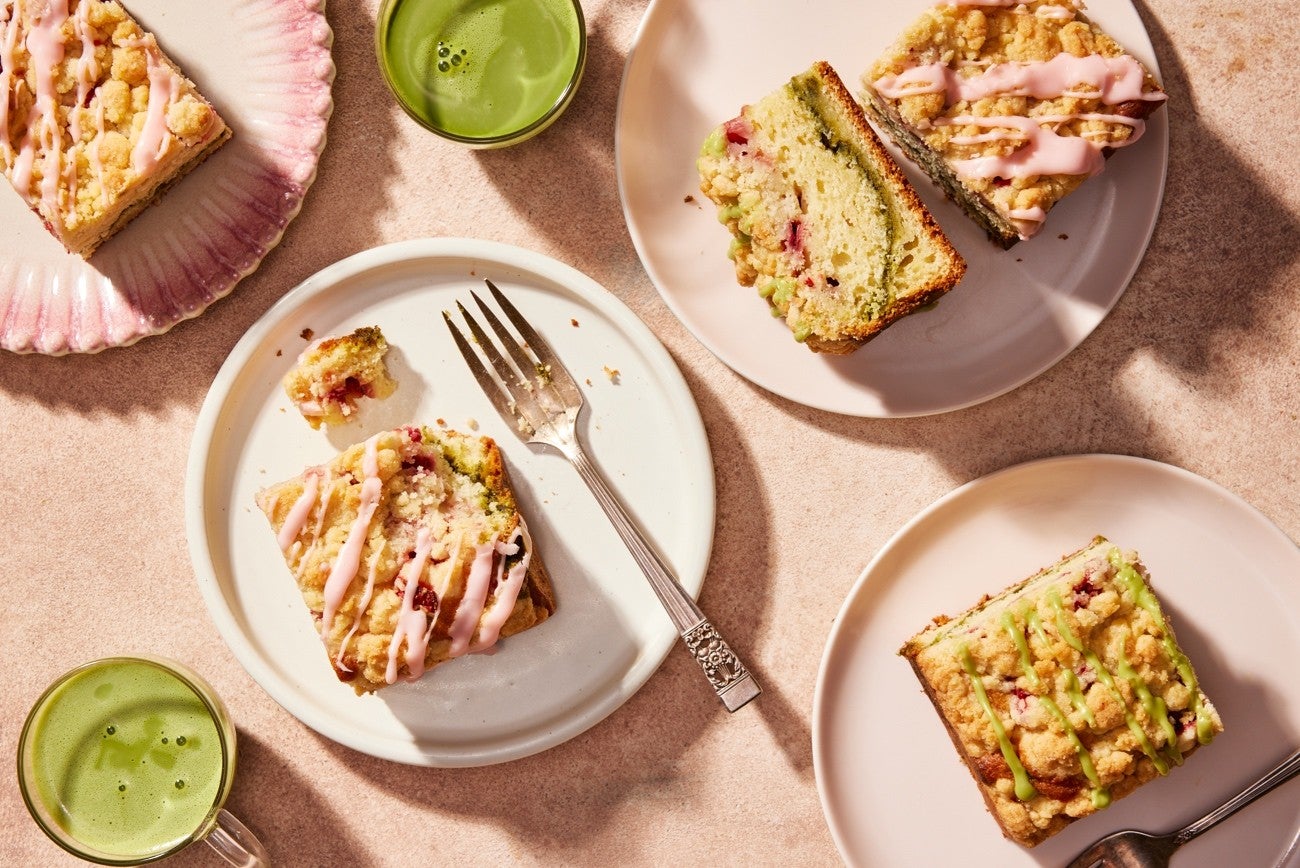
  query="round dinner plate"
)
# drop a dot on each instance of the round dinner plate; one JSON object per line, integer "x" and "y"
{"x": 694, "y": 63}
{"x": 266, "y": 66}
{"x": 642, "y": 428}
{"x": 892, "y": 786}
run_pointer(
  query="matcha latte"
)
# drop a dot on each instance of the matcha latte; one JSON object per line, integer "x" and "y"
{"x": 126, "y": 760}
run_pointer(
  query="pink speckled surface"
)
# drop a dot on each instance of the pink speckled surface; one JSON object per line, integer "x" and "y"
{"x": 1198, "y": 365}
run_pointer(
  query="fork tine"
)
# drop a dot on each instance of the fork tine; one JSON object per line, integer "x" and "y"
{"x": 528, "y": 367}
{"x": 506, "y": 374}
{"x": 516, "y": 379}
{"x": 499, "y": 394}
{"x": 560, "y": 377}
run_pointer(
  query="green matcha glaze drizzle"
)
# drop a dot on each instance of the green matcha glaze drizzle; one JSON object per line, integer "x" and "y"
{"x": 1063, "y": 627}
{"x": 1018, "y": 637}
{"x": 1144, "y": 598}
{"x": 1024, "y": 788}
{"x": 1154, "y": 705}
{"x": 1072, "y": 686}
{"x": 1100, "y": 794}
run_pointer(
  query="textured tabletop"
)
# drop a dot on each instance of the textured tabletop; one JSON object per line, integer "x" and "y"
{"x": 1198, "y": 365}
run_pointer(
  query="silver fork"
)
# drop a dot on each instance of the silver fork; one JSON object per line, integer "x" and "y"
{"x": 1132, "y": 849}
{"x": 537, "y": 396}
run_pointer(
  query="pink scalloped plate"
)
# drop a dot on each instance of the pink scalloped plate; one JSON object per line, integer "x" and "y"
{"x": 266, "y": 66}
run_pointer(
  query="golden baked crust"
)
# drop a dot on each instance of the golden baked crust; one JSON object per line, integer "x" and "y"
{"x": 1009, "y": 107}
{"x": 334, "y": 373}
{"x": 1064, "y": 692}
{"x": 409, "y": 551}
{"x": 824, "y": 223}
{"x": 95, "y": 120}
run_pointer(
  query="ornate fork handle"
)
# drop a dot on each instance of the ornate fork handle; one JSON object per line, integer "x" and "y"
{"x": 729, "y": 677}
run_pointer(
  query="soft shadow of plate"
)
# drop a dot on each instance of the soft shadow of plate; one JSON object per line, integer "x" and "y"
{"x": 1015, "y": 313}
{"x": 609, "y": 634}
{"x": 1228, "y": 579}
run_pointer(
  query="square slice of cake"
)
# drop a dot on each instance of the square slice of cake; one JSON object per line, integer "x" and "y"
{"x": 334, "y": 373}
{"x": 409, "y": 551}
{"x": 95, "y": 120}
{"x": 1064, "y": 692}
{"x": 1009, "y": 106}
{"x": 824, "y": 223}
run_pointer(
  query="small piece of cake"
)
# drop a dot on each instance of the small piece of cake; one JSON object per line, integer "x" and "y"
{"x": 1064, "y": 692}
{"x": 334, "y": 373}
{"x": 409, "y": 551}
{"x": 823, "y": 221}
{"x": 1009, "y": 106}
{"x": 95, "y": 120}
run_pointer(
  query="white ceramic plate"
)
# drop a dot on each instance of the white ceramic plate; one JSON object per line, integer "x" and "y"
{"x": 892, "y": 786}
{"x": 696, "y": 62}
{"x": 266, "y": 66}
{"x": 609, "y": 633}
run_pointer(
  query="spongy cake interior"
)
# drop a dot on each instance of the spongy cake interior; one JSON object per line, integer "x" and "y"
{"x": 834, "y": 199}
{"x": 825, "y": 225}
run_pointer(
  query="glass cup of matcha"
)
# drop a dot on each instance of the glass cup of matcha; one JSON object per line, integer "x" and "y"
{"x": 127, "y": 760}
{"x": 483, "y": 73}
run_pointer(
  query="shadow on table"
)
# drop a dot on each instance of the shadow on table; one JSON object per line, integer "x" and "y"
{"x": 338, "y": 218}
{"x": 294, "y": 820}
{"x": 1222, "y": 236}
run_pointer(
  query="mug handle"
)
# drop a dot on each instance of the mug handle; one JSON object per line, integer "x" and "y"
{"x": 236, "y": 844}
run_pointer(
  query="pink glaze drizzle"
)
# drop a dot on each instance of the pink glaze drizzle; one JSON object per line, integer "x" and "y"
{"x": 297, "y": 517}
{"x": 412, "y": 622}
{"x": 1045, "y": 153}
{"x": 327, "y": 494}
{"x": 153, "y": 137}
{"x": 87, "y": 72}
{"x": 349, "y": 558}
{"x": 362, "y": 606}
{"x": 474, "y": 598}
{"x": 45, "y": 46}
{"x": 1113, "y": 80}
{"x": 1042, "y": 11}
{"x": 1041, "y": 151}
{"x": 503, "y": 603}
{"x": 8, "y": 44}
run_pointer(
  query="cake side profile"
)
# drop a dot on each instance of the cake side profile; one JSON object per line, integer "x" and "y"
{"x": 334, "y": 373}
{"x": 95, "y": 120}
{"x": 823, "y": 222}
{"x": 1009, "y": 106}
{"x": 1064, "y": 692}
{"x": 409, "y": 551}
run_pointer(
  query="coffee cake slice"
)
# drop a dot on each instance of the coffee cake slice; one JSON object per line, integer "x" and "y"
{"x": 1064, "y": 692}
{"x": 95, "y": 119}
{"x": 409, "y": 550}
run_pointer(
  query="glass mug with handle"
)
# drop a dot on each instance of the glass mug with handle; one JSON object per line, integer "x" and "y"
{"x": 128, "y": 760}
